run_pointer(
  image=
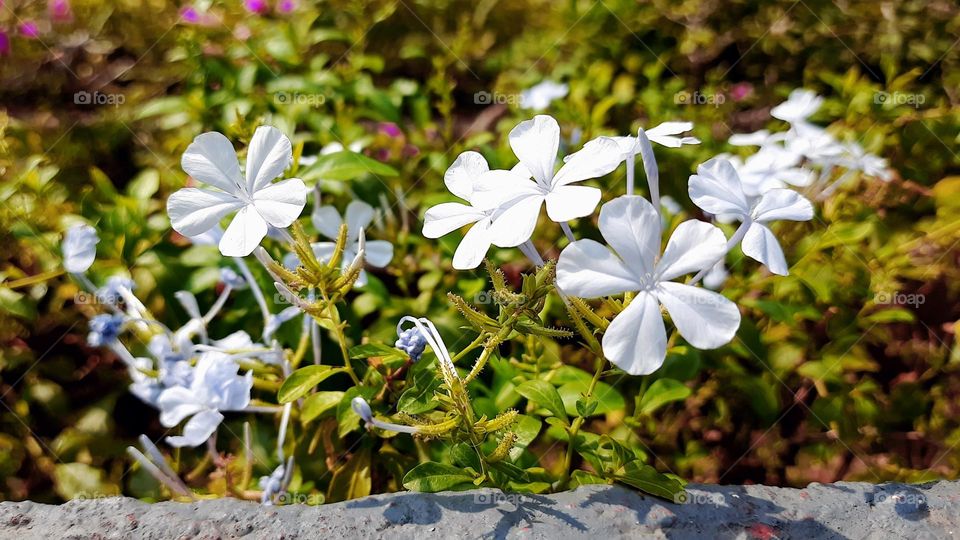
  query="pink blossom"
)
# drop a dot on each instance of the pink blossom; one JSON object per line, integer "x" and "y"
{"x": 28, "y": 29}
{"x": 256, "y": 6}
{"x": 4, "y": 43}
{"x": 286, "y": 6}
{"x": 60, "y": 10}
{"x": 741, "y": 91}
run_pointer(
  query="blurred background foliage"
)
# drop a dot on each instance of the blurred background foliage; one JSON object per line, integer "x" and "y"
{"x": 828, "y": 379}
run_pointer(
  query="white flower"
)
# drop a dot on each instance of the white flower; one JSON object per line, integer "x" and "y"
{"x": 857, "y": 158}
{"x": 800, "y": 105}
{"x": 717, "y": 189}
{"x": 211, "y": 159}
{"x": 636, "y": 340}
{"x": 535, "y": 142}
{"x": 756, "y": 138}
{"x": 79, "y": 248}
{"x": 443, "y": 218}
{"x": 539, "y": 97}
{"x": 358, "y": 216}
{"x": 716, "y": 276}
{"x": 770, "y": 167}
{"x": 216, "y": 386}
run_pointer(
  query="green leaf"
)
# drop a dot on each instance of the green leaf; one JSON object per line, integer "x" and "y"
{"x": 379, "y": 350}
{"x": 303, "y": 380}
{"x": 586, "y": 407}
{"x": 318, "y": 404}
{"x": 431, "y": 477}
{"x": 582, "y": 478}
{"x": 346, "y": 165}
{"x": 545, "y": 395}
{"x": 352, "y": 479}
{"x": 420, "y": 397}
{"x": 608, "y": 399}
{"x": 647, "y": 479}
{"x": 661, "y": 392}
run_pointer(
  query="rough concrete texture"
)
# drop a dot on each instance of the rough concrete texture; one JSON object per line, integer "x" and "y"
{"x": 842, "y": 510}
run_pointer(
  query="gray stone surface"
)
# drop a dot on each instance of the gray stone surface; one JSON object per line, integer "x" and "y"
{"x": 842, "y": 510}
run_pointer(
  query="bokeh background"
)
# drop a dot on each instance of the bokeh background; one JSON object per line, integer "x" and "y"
{"x": 847, "y": 369}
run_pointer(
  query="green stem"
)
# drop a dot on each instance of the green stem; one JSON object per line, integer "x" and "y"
{"x": 575, "y": 427}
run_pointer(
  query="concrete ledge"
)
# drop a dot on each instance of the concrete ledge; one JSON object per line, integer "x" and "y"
{"x": 842, "y": 510}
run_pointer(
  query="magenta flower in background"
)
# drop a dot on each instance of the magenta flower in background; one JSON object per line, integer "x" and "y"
{"x": 390, "y": 129}
{"x": 60, "y": 10}
{"x": 189, "y": 15}
{"x": 4, "y": 43}
{"x": 741, "y": 91}
{"x": 286, "y": 6}
{"x": 256, "y": 6}
{"x": 28, "y": 29}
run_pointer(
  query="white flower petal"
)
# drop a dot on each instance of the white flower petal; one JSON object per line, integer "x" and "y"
{"x": 782, "y": 204}
{"x": 177, "y": 403}
{"x": 358, "y": 215}
{"x": 716, "y": 188}
{"x": 636, "y": 340}
{"x": 327, "y": 220}
{"x": 465, "y": 171}
{"x": 324, "y": 250}
{"x": 514, "y": 224}
{"x": 378, "y": 253}
{"x": 631, "y": 226}
{"x": 195, "y": 211}
{"x": 694, "y": 245}
{"x": 447, "y": 217}
{"x": 589, "y": 269}
{"x": 268, "y": 155}
{"x": 244, "y": 233}
{"x": 196, "y": 431}
{"x": 664, "y": 134}
{"x": 211, "y": 159}
{"x": 761, "y": 245}
{"x": 570, "y": 202}
{"x": 79, "y": 248}
{"x": 706, "y": 319}
{"x": 598, "y": 158}
{"x": 496, "y": 188}
{"x": 535, "y": 142}
{"x": 800, "y": 105}
{"x": 280, "y": 204}
{"x": 474, "y": 246}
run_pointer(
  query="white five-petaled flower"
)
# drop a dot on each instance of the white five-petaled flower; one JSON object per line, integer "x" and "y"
{"x": 770, "y": 167}
{"x": 539, "y": 96}
{"x": 79, "y": 248}
{"x": 717, "y": 189}
{"x": 444, "y": 218}
{"x": 800, "y": 105}
{"x": 211, "y": 159}
{"x": 326, "y": 219}
{"x": 636, "y": 340}
{"x": 216, "y": 386}
{"x": 664, "y": 134}
{"x": 518, "y": 198}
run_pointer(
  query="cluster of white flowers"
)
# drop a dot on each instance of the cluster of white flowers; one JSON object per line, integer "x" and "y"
{"x": 504, "y": 207}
